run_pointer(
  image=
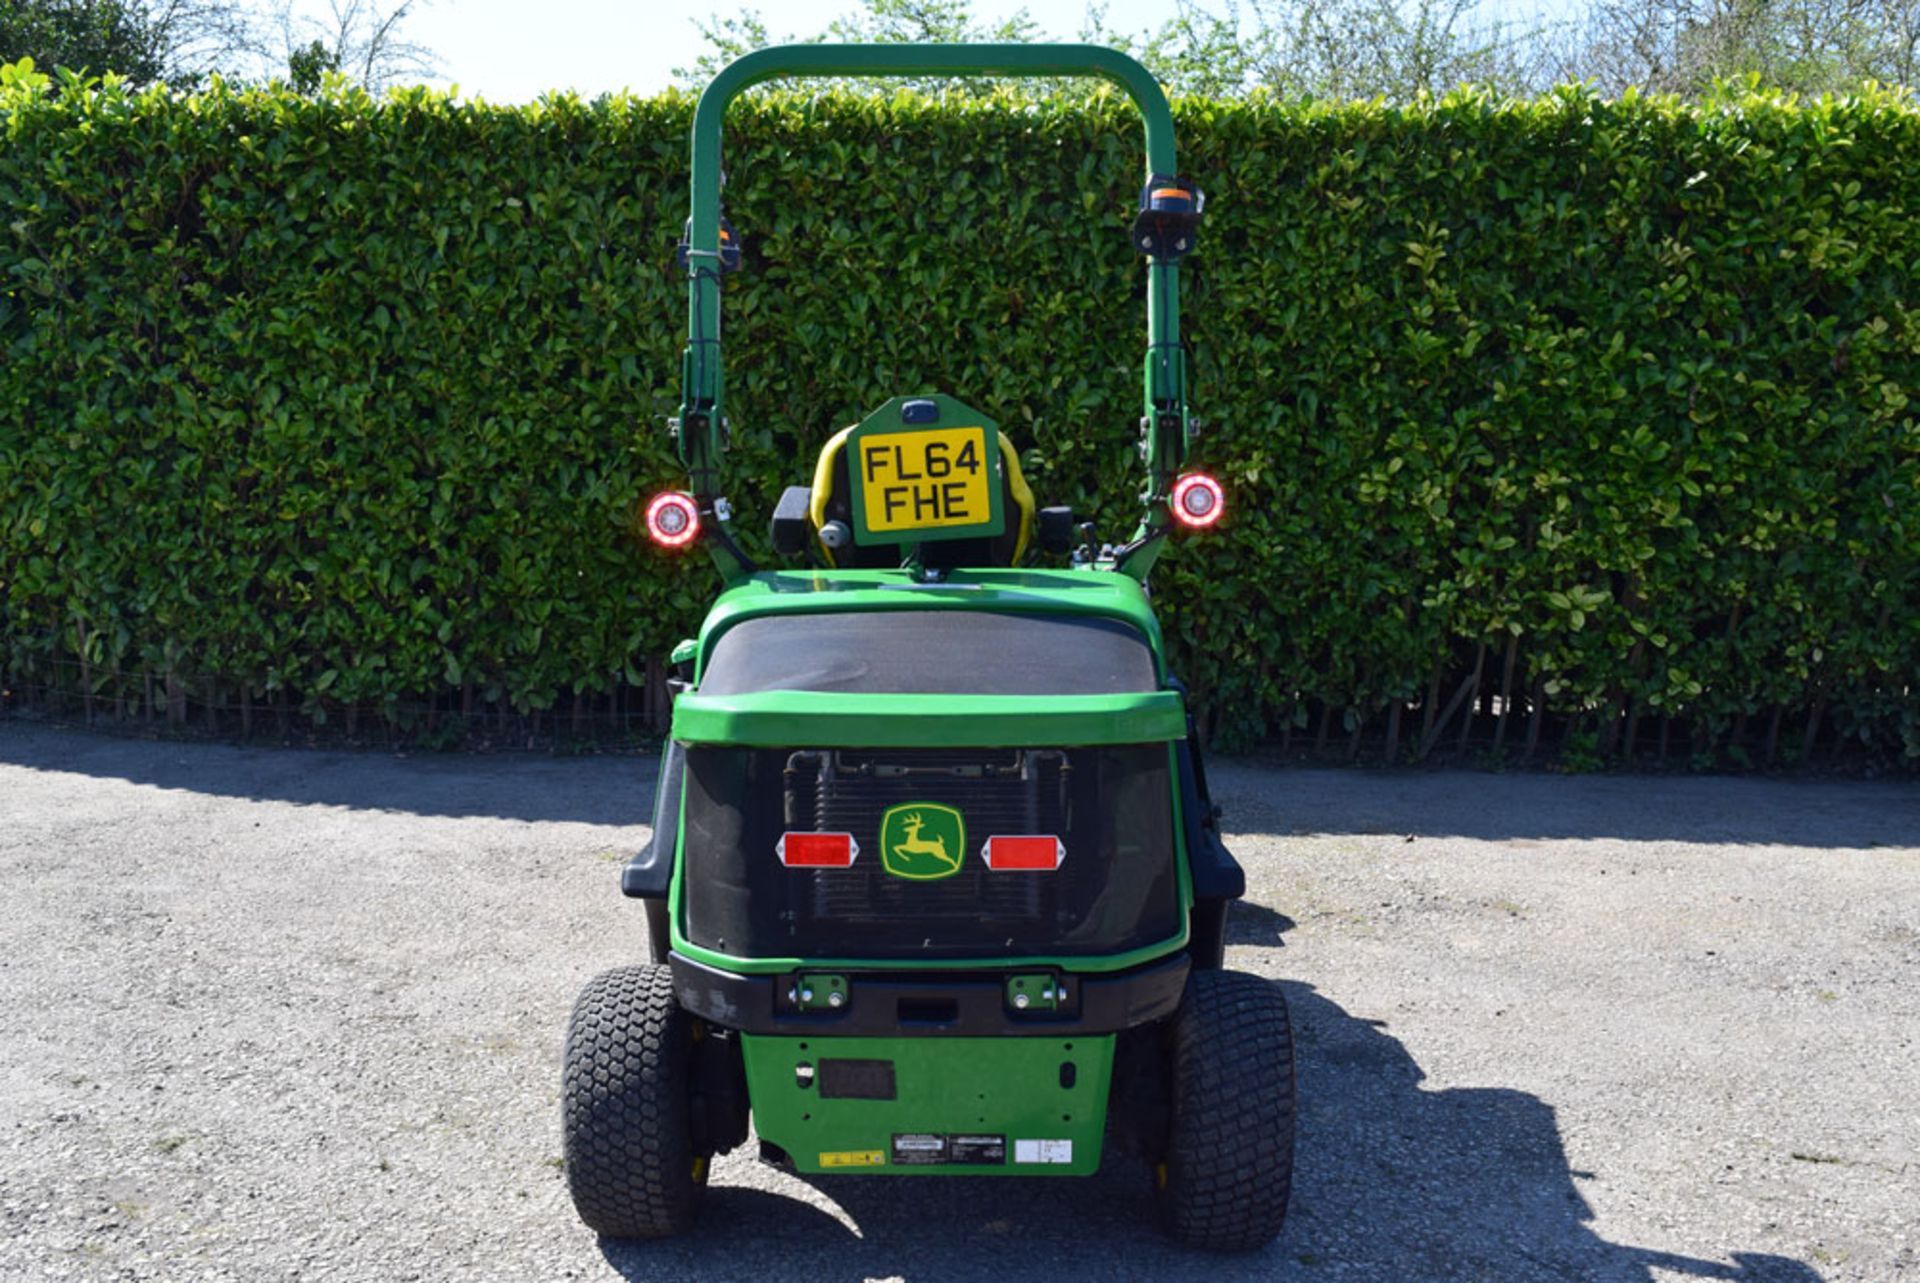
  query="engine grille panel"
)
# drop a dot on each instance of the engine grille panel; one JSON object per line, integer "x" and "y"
{"x": 1015, "y": 791}
{"x": 1110, "y": 806}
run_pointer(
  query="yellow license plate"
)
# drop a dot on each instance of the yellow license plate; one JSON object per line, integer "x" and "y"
{"x": 925, "y": 480}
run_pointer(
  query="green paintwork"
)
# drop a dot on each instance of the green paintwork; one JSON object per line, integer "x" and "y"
{"x": 829, "y": 719}
{"x": 1007, "y": 1087}
{"x": 1078, "y": 592}
{"x": 952, "y": 414}
{"x": 701, "y": 420}
{"x": 922, "y": 841}
{"x": 779, "y": 719}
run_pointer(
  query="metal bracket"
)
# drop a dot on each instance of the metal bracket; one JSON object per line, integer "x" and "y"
{"x": 1036, "y": 991}
{"x": 817, "y": 992}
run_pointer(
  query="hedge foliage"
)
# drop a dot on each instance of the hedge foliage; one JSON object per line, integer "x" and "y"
{"x": 1605, "y": 407}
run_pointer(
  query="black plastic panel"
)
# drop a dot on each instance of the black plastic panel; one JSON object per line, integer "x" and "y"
{"x": 1116, "y": 890}
{"x": 1102, "y": 1003}
{"x": 1216, "y": 874}
{"x": 647, "y": 875}
{"x": 857, "y": 1080}
{"x": 930, "y": 652}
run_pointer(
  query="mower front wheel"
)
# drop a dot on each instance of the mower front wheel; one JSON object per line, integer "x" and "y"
{"x": 1224, "y": 1178}
{"x": 627, "y": 1107}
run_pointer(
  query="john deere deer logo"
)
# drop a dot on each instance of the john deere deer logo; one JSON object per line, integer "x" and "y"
{"x": 922, "y": 841}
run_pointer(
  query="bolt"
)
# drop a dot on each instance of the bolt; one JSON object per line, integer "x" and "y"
{"x": 792, "y": 994}
{"x": 836, "y": 998}
{"x": 1020, "y": 1001}
{"x": 806, "y": 995}
{"x": 1046, "y": 995}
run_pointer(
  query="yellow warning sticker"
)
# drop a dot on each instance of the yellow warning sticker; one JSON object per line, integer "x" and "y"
{"x": 854, "y": 1158}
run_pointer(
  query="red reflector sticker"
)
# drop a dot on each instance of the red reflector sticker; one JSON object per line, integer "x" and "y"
{"x": 816, "y": 850}
{"x": 1024, "y": 852}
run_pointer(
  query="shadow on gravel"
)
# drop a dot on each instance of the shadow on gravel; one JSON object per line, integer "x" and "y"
{"x": 1520, "y": 807}
{"x": 1395, "y": 1184}
{"x": 618, "y": 789}
{"x": 601, "y": 789}
{"x": 1257, "y": 925}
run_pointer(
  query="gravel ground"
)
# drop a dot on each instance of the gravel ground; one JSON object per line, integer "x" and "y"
{"x": 276, "y": 1014}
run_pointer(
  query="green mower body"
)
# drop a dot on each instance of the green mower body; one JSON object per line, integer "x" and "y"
{"x": 935, "y": 884}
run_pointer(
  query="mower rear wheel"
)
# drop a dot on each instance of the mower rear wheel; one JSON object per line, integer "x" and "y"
{"x": 1227, "y": 1170}
{"x": 627, "y": 1107}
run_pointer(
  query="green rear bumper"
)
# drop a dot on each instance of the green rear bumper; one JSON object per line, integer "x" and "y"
{"x": 1029, "y": 1106}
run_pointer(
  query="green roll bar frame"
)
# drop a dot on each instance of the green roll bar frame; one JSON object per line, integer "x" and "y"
{"x": 700, "y": 427}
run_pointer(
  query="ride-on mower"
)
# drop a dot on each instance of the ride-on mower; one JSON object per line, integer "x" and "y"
{"x": 935, "y": 886}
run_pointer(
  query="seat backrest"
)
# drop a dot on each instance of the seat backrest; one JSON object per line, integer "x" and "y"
{"x": 832, "y": 501}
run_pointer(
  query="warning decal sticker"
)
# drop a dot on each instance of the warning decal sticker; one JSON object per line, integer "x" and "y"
{"x": 854, "y": 1158}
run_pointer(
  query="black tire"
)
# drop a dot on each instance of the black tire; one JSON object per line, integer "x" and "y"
{"x": 626, "y": 1107}
{"x": 1228, "y": 1167}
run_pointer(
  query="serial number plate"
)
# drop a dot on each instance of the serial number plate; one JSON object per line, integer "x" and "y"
{"x": 925, "y": 480}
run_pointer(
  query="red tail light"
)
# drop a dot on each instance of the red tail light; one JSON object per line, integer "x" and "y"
{"x": 1198, "y": 501}
{"x": 673, "y": 519}
{"x": 817, "y": 850}
{"x": 1024, "y": 853}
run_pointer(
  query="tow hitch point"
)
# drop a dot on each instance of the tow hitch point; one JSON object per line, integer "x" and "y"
{"x": 815, "y": 992}
{"x": 1036, "y": 991}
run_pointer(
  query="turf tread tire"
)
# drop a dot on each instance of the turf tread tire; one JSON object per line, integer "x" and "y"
{"x": 626, "y": 1110}
{"x": 1229, "y": 1159}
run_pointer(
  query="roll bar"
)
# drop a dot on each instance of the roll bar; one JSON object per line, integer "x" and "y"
{"x": 700, "y": 425}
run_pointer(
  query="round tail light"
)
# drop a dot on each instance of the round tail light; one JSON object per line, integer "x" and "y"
{"x": 1198, "y": 501}
{"x": 673, "y": 519}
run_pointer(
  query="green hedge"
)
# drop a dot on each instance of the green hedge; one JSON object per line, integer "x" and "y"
{"x": 1603, "y": 407}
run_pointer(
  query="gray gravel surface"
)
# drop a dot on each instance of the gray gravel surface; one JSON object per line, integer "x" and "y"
{"x": 276, "y": 1014}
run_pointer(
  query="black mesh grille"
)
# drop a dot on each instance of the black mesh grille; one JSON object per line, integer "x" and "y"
{"x": 1011, "y": 791}
{"x": 1110, "y": 806}
{"x": 930, "y": 652}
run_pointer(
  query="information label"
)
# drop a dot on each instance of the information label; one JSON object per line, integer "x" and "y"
{"x": 919, "y": 1149}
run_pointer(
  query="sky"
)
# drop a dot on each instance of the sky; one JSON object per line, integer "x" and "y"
{"x": 512, "y": 51}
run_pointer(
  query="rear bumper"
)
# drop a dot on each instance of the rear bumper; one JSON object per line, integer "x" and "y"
{"x": 932, "y": 1106}
{"x": 906, "y": 1004}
